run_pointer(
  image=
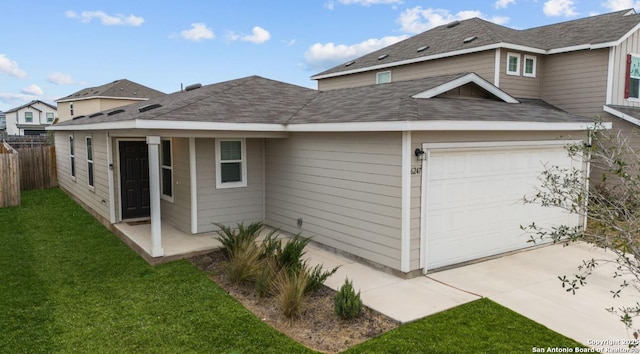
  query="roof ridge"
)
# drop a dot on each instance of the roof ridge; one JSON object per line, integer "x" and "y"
{"x": 612, "y": 14}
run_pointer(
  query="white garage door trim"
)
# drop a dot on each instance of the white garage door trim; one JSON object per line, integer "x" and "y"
{"x": 461, "y": 146}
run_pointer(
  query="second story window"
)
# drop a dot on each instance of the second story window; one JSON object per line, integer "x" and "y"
{"x": 513, "y": 64}
{"x": 28, "y": 117}
{"x": 49, "y": 117}
{"x": 383, "y": 77}
{"x": 529, "y": 66}
{"x": 71, "y": 108}
{"x": 632, "y": 84}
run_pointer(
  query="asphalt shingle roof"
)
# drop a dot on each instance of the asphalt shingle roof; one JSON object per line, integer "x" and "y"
{"x": 258, "y": 100}
{"x": 118, "y": 89}
{"x": 29, "y": 104}
{"x": 445, "y": 39}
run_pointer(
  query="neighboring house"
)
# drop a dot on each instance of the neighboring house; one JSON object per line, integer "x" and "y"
{"x": 588, "y": 67}
{"x": 409, "y": 176}
{"x": 3, "y": 122}
{"x": 30, "y": 119}
{"x": 95, "y": 99}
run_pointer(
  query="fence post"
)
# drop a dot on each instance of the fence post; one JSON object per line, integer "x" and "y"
{"x": 9, "y": 176}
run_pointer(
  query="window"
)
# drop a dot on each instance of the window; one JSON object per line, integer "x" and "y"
{"x": 632, "y": 88}
{"x": 383, "y": 77}
{"x": 49, "y": 117}
{"x": 529, "y": 66}
{"x": 166, "y": 167}
{"x": 513, "y": 64}
{"x": 90, "y": 161}
{"x": 71, "y": 108}
{"x": 28, "y": 117}
{"x": 72, "y": 158}
{"x": 231, "y": 163}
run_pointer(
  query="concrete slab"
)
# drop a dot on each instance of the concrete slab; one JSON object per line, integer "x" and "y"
{"x": 527, "y": 282}
{"x": 404, "y": 300}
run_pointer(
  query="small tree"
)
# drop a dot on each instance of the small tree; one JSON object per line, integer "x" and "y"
{"x": 611, "y": 205}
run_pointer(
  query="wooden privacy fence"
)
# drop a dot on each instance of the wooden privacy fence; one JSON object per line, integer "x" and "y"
{"x": 38, "y": 167}
{"x": 9, "y": 176}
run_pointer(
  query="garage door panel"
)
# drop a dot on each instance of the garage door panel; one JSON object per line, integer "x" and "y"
{"x": 474, "y": 200}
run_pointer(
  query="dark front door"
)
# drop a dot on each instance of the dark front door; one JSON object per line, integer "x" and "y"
{"x": 134, "y": 179}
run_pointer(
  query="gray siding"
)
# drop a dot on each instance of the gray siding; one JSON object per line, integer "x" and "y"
{"x": 231, "y": 205}
{"x": 520, "y": 85}
{"x": 418, "y": 138}
{"x": 630, "y": 46}
{"x": 346, "y": 188}
{"x": 96, "y": 198}
{"x": 178, "y": 212}
{"x": 482, "y": 63}
{"x": 577, "y": 81}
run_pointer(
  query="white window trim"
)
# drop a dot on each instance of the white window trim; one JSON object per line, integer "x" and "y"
{"x": 517, "y": 56}
{"x": 47, "y": 117}
{"x": 25, "y": 117}
{"x": 378, "y": 77}
{"x": 90, "y": 162}
{"x": 243, "y": 166}
{"x": 535, "y": 64}
{"x": 72, "y": 157}
{"x": 168, "y": 198}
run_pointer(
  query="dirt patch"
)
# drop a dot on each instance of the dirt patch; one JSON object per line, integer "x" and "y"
{"x": 319, "y": 328}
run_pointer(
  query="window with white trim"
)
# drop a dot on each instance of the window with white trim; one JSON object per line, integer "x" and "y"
{"x": 632, "y": 89}
{"x": 89, "y": 140}
{"x": 71, "y": 108}
{"x": 28, "y": 117}
{"x": 166, "y": 168}
{"x": 49, "y": 117}
{"x": 383, "y": 77}
{"x": 231, "y": 163}
{"x": 72, "y": 157}
{"x": 513, "y": 64}
{"x": 529, "y": 69}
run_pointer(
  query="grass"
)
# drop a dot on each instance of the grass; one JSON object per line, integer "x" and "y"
{"x": 68, "y": 285}
{"x": 481, "y": 326}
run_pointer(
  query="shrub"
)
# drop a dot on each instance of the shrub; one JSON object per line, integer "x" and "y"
{"x": 266, "y": 277}
{"x": 290, "y": 256}
{"x": 290, "y": 292}
{"x": 347, "y": 303}
{"x": 231, "y": 239}
{"x": 244, "y": 262}
{"x": 317, "y": 277}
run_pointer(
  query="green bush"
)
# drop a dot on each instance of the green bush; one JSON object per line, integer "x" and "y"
{"x": 317, "y": 276}
{"x": 347, "y": 303}
{"x": 290, "y": 256}
{"x": 231, "y": 239}
{"x": 244, "y": 262}
{"x": 266, "y": 277}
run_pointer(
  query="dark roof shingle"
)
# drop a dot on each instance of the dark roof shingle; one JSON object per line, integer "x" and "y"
{"x": 116, "y": 89}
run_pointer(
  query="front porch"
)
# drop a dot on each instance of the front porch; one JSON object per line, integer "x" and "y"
{"x": 176, "y": 244}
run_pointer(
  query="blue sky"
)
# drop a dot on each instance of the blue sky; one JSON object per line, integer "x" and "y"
{"x": 49, "y": 49}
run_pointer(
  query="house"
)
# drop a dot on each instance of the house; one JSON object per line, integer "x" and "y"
{"x": 410, "y": 176}
{"x": 30, "y": 118}
{"x": 95, "y": 99}
{"x": 3, "y": 122}
{"x": 588, "y": 67}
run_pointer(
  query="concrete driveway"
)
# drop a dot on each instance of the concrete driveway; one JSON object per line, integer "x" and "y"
{"x": 527, "y": 283}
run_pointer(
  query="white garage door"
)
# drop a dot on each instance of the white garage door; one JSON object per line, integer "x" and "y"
{"x": 474, "y": 194}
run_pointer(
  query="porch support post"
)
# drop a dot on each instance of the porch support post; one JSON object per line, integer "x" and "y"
{"x": 153, "y": 143}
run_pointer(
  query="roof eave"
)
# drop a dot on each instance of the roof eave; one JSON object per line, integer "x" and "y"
{"x": 95, "y": 97}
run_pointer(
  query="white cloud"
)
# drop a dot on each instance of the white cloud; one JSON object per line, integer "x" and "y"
{"x": 559, "y": 8}
{"x": 617, "y": 5}
{"x": 105, "y": 19}
{"x": 60, "y": 79}
{"x": 501, "y": 4}
{"x": 259, "y": 35}
{"x": 32, "y": 90}
{"x": 417, "y": 19}
{"x": 329, "y": 5}
{"x": 10, "y": 67}
{"x": 15, "y": 98}
{"x": 322, "y": 56}
{"x": 198, "y": 32}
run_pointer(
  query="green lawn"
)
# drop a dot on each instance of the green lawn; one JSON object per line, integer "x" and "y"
{"x": 69, "y": 285}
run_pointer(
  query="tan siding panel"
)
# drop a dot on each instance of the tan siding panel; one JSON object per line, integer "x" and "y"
{"x": 231, "y": 205}
{"x": 482, "y": 63}
{"x": 345, "y": 187}
{"x": 629, "y": 46}
{"x": 577, "y": 81}
{"x": 178, "y": 212}
{"x": 521, "y": 86}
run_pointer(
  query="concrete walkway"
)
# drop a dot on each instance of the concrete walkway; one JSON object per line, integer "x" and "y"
{"x": 404, "y": 300}
{"x": 526, "y": 282}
